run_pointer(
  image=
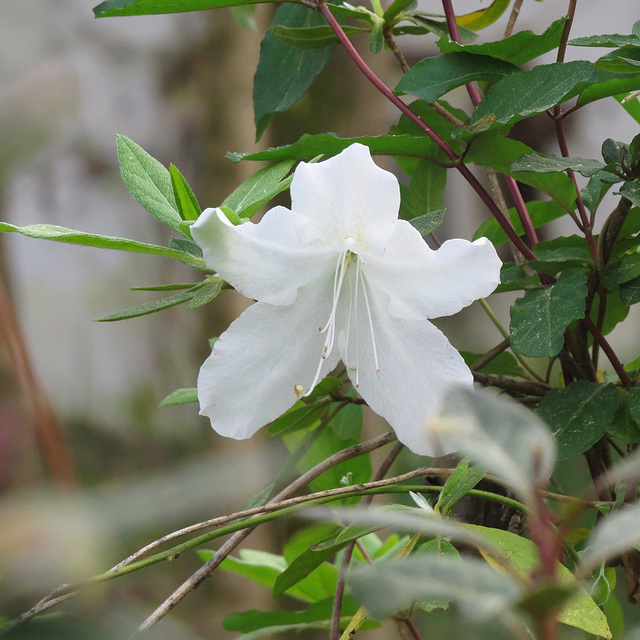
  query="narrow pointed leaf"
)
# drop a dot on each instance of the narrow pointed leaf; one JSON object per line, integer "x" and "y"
{"x": 149, "y": 183}
{"x": 312, "y": 37}
{"x": 259, "y": 189}
{"x": 116, "y": 8}
{"x": 428, "y": 222}
{"x": 150, "y": 307}
{"x": 71, "y": 236}
{"x": 180, "y": 396}
{"x": 482, "y": 18}
{"x": 533, "y": 162}
{"x": 205, "y": 294}
{"x": 186, "y": 200}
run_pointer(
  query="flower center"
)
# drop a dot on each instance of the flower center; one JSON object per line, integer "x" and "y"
{"x": 348, "y": 267}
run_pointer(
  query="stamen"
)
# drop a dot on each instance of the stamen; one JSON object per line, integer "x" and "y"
{"x": 366, "y": 303}
{"x": 330, "y": 325}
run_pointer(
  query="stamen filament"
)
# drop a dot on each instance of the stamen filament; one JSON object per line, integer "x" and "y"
{"x": 366, "y": 304}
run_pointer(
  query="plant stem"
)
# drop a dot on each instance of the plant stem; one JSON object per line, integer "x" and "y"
{"x": 463, "y": 169}
{"x": 606, "y": 347}
{"x": 515, "y": 12}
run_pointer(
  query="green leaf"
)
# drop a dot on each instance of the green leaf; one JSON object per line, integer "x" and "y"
{"x": 181, "y": 396}
{"x": 480, "y": 592}
{"x": 458, "y": 484}
{"x": 608, "y": 84}
{"x": 206, "y": 294}
{"x": 579, "y": 610}
{"x": 71, "y": 236}
{"x": 255, "y": 620}
{"x": 259, "y": 189}
{"x": 622, "y": 270}
{"x": 300, "y": 416}
{"x": 307, "y": 562}
{"x": 625, "y": 60}
{"x": 630, "y": 292}
{"x": 497, "y": 434}
{"x": 376, "y": 37}
{"x": 149, "y": 183}
{"x": 284, "y": 72}
{"x": 329, "y": 144}
{"x": 631, "y": 191}
{"x": 534, "y": 162}
{"x": 579, "y": 415}
{"x": 493, "y": 149}
{"x": 527, "y": 93}
{"x": 517, "y": 49}
{"x": 426, "y": 190}
{"x": 151, "y": 307}
{"x": 428, "y": 222}
{"x": 186, "y": 201}
{"x": 514, "y": 278}
{"x": 433, "y": 77}
{"x": 539, "y": 319}
{"x": 177, "y": 286}
{"x": 634, "y": 403}
{"x": 606, "y": 40}
{"x": 312, "y": 37}
{"x": 482, "y": 18}
{"x": 504, "y": 364}
{"x": 558, "y": 258}
{"x": 113, "y": 8}
{"x": 540, "y": 213}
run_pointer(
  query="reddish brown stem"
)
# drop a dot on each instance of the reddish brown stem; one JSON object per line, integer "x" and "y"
{"x": 611, "y": 354}
{"x": 463, "y": 169}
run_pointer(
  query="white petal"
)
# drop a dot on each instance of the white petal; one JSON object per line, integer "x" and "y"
{"x": 417, "y": 365}
{"x": 345, "y": 197}
{"x": 255, "y": 368}
{"x": 263, "y": 261}
{"x": 422, "y": 283}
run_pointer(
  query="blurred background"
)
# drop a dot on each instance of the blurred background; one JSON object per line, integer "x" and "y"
{"x": 90, "y": 467}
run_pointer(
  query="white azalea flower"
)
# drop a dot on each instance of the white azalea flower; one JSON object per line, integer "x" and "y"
{"x": 338, "y": 277}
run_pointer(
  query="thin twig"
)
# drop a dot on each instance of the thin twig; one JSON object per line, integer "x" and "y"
{"x": 490, "y": 355}
{"x": 515, "y": 12}
{"x": 209, "y": 567}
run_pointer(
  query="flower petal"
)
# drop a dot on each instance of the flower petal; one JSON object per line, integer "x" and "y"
{"x": 345, "y": 197}
{"x": 251, "y": 376}
{"x": 416, "y": 363}
{"x": 263, "y": 261}
{"x": 422, "y": 283}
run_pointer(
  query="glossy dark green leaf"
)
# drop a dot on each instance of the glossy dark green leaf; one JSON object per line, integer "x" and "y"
{"x": 608, "y": 84}
{"x": 186, "y": 201}
{"x": 180, "y": 396}
{"x": 517, "y": 49}
{"x": 493, "y": 149}
{"x": 539, "y": 319}
{"x": 328, "y": 144}
{"x": 284, "y": 72}
{"x": 561, "y": 258}
{"x": 433, "y": 77}
{"x": 514, "y": 278}
{"x": 114, "y": 8}
{"x": 634, "y": 403}
{"x": 300, "y": 416}
{"x": 626, "y": 59}
{"x": 533, "y": 162}
{"x": 71, "y": 236}
{"x": 312, "y": 37}
{"x": 150, "y": 307}
{"x": 579, "y": 415}
{"x": 427, "y": 24}
{"x": 149, "y": 183}
{"x": 259, "y": 189}
{"x": 595, "y": 190}
{"x": 631, "y": 191}
{"x": 526, "y": 93}
{"x": 622, "y": 270}
{"x": 608, "y": 40}
{"x": 540, "y": 212}
{"x": 630, "y": 291}
{"x": 428, "y": 222}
